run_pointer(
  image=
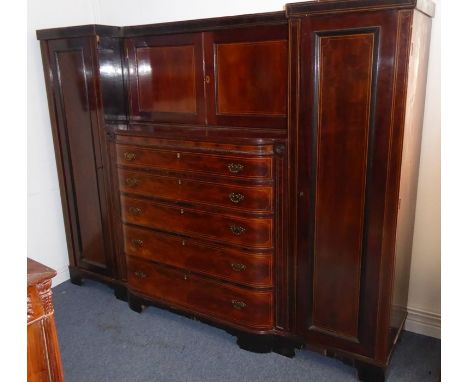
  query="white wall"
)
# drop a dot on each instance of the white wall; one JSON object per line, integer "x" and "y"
{"x": 424, "y": 294}
{"x": 46, "y": 237}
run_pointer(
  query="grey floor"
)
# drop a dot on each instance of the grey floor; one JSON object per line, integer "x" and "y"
{"x": 101, "y": 340}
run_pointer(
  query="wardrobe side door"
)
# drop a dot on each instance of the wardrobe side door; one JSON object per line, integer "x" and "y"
{"x": 78, "y": 151}
{"x": 247, "y": 76}
{"x": 342, "y": 141}
{"x": 166, "y": 78}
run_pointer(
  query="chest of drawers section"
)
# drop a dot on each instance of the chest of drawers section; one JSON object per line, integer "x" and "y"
{"x": 199, "y": 227}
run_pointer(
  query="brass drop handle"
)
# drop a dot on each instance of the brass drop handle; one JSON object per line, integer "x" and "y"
{"x": 237, "y": 229}
{"x": 131, "y": 182}
{"x": 129, "y": 156}
{"x": 236, "y": 197}
{"x": 207, "y": 79}
{"x": 238, "y": 267}
{"x": 134, "y": 210}
{"x": 140, "y": 274}
{"x": 238, "y": 304}
{"x": 235, "y": 168}
{"x": 137, "y": 242}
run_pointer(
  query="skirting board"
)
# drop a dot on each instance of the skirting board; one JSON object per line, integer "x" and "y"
{"x": 423, "y": 322}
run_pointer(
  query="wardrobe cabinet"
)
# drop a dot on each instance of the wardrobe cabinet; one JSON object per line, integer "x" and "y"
{"x": 71, "y": 72}
{"x": 256, "y": 172}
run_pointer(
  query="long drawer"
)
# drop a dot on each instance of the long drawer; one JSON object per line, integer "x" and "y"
{"x": 197, "y": 162}
{"x": 251, "y": 232}
{"x": 249, "y": 268}
{"x": 249, "y": 198}
{"x": 245, "y": 307}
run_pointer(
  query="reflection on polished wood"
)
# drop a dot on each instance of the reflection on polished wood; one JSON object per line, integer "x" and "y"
{"x": 166, "y": 78}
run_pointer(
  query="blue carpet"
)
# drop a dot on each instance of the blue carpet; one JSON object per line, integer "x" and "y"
{"x": 101, "y": 340}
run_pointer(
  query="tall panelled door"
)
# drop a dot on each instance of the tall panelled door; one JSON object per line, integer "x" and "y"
{"x": 344, "y": 129}
{"x": 78, "y": 135}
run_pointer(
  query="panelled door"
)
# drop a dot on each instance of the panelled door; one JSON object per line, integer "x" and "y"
{"x": 249, "y": 72}
{"x": 166, "y": 78}
{"x": 236, "y": 77}
{"x": 81, "y": 155}
{"x": 342, "y": 141}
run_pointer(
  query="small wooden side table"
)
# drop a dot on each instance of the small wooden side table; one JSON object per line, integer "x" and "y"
{"x": 44, "y": 361}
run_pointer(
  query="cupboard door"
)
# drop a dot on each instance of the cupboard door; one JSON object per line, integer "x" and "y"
{"x": 342, "y": 142}
{"x": 77, "y": 138}
{"x": 166, "y": 78}
{"x": 247, "y": 77}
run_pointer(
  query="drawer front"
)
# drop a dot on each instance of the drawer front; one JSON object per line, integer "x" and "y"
{"x": 250, "y": 232}
{"x": 227, "y": 165}
{"x": 244, "y": 307}
{"x": 254, "y": 198}
{"x": 251, "y": 269}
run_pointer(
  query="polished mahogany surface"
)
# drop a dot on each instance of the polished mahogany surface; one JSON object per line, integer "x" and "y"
{"x": 344, "y": 136}
{"x": 80, "y": 148}
{"x": 249, "y": 268}
{"x": 246, "y": 170}
{"x": 166, "y": 78}
{"x": 43, "y": 353}
{"x": 250, "y": 308}
{"x": 231, "y": 165}
{"x": 258, "y": 198}
{"x": 244, "y": 74}
{"x": 343, "y": 121}
{"x": 252, "y": 232}
{"x": 249, "y": 68}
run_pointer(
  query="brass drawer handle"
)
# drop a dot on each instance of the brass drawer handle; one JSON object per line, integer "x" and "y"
{"x": 238, "y": 304}
{"x": 236, "y": 197}
{"x": 131, "y": 182}
{"x": 129, "y": 156}
{"x": 137, "y": 242}
{"x": 134, "y": 210}
{"x": 235, "y": 168}
{"x": 238, "y": 267}
{"x": 237, "y": 229}
{"x": 140, "y": 274}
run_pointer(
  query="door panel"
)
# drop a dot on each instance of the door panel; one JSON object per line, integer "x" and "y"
{"x": 166, "y": 78}
{"x": 72, "y": 68}
{"x": 249, "y": 67}
{"x": 342, "y": 140}
{"x": 344, "y": 89}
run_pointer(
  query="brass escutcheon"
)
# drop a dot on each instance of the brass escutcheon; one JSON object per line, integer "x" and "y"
{"x": 131, "y": 182}
{"x": 235, "y": 168}
{"x": 237, "y": 229}
{"x": 140, "y": 274}
{"x": 236, "y": 197}
{"x": 137, "y": 242}
{"x": 129, "y": 156}
{"x": 238, "y": 267}
{"x": 238, "y": 304}
{"x": 134, "y": 210}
